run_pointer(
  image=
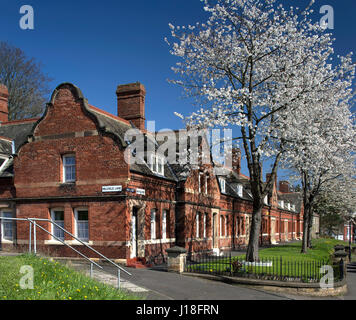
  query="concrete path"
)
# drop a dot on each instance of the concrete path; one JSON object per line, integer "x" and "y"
{"x": 163, "y": 285}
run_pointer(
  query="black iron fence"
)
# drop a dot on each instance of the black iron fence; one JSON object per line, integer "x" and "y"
{"x": 267, "y": 268}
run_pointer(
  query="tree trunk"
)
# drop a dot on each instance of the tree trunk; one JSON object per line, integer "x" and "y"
{"x": 305, "y": 228}
{"x": 255, "y": 230}
{"x": 310, "y": 230}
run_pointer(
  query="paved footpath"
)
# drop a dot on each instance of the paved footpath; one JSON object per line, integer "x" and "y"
{"x": 161, "y": 285}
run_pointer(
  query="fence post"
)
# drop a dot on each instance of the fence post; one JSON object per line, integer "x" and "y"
{"x": 341, "y": 269}
{"x": 29, "y": 237}
{"x": 34, "y": 238}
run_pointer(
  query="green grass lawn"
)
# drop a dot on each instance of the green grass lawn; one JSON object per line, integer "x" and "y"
{"x": 287, "y": 262}
{"x": 322, "y": 250}
{"x": 52, "y": 281}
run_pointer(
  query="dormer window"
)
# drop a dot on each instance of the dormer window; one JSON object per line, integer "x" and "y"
{"x": 288, "y": 206}
{"x": 265, "y": 200}
{"x": 239, "y": 190}
{"x": 293, "y": 207}
{"x": 222, "y": 183}
{"x": 157, "y": 164}
{"x": 281, "y": 203}
{"x": 3, "y": 162}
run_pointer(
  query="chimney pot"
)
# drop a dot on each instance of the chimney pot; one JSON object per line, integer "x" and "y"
{"x": 131, "y": 103}
{"x": 284, "y": 186}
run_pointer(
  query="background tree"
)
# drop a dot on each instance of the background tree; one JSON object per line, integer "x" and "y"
{"x": 28, "y": 86}
{"x": 251, "y": 66}
{"x": 320, "y": 142}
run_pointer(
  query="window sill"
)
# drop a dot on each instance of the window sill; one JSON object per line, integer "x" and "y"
{"x": 77, "y": 243}
{"x": 53, "y": 242}
{"x": 5, "y": 241}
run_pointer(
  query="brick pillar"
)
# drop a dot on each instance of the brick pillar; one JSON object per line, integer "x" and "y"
{"x": 176, "y": 259}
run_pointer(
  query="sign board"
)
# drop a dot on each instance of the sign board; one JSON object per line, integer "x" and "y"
{"x": 130, "y": 190}
{"x": 111, "y": 188}
{"x": 141, "y": 191}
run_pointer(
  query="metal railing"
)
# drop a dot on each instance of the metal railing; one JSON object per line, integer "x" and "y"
{"x": 269, "y": 268}
{"x": 34, "y": 224}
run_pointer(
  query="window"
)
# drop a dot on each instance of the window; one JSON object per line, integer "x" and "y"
{"x": 221, "y": 225}
{"x": 6, "y": 226}
{"x": 57, "y": 216}
{"x": 222, "y": 185}
{"x": 153, "y": 224}
{"x": 281, "y": 203}
{"x": 206, "y": 184}
{"x": 3, "y": 162}
{"x": 197, "y": 225}
{"x": 225, "y": 226}
{"x": 68, "y": 168}
{"x": 265, "y": 200}
{"x": 82, "y": 226}
{"x": 164, "y": 224}
{"x": 157, "y": 164}
{"x": 205, "y": 224}
{"x": 240, "y": 190}
{"x": 199, "y": 182}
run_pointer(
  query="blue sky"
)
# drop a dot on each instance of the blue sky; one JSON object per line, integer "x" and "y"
{"x": 98, "y": 45}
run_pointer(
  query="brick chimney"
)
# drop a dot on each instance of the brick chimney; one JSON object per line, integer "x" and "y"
{"x": 4, "y": 96}
{"x": 131, "y": 103}
{"x": 284, "y": 186}
{"x": 234, "y": 159}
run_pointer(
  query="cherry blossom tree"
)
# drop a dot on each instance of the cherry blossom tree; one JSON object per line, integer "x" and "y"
{"x": 251, "y": 66}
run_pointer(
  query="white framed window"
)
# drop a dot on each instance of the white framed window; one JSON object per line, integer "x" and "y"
{"x": 157, "y": 164}
{"x": 221, "y": 225}
{"x": 199, "y": 182}
{"x": 205, "y": 224}
{"x": 206, "y": 184}
{"x": 222, "y": 185}
{"x": 57, "y": 215}
{"x": 240, "y": 190}
{"x": 225, "y": 226}
{"x": 3, "y": 162}
{"x": 197, "y": 225}
{"x": 69, "y": 170}
{"x": 164, "y": 224}
{"x": 281, "y": 203}
{"x": 265, "y": 200}
{"x": 82, "y": 224}
{"x": 7, "y": 226}
{"x": 153, "y": 224}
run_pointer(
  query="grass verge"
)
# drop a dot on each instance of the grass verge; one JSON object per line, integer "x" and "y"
{"x": 279, "y": 262}
{"x": 51, "y": 281}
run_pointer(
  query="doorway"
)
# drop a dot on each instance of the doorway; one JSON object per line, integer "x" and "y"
{"x": 133, "y": 253}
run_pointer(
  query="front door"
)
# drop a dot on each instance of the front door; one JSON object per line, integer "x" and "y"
{"x": 133, "y": 233}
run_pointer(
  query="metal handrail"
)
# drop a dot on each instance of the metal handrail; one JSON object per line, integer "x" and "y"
{"x": 32, "y": 221}
{"x": 60, "y": 240}
{"x": 82, "y": 242}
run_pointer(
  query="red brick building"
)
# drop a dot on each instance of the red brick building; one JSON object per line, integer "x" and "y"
{"x": 69, "y": 166}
